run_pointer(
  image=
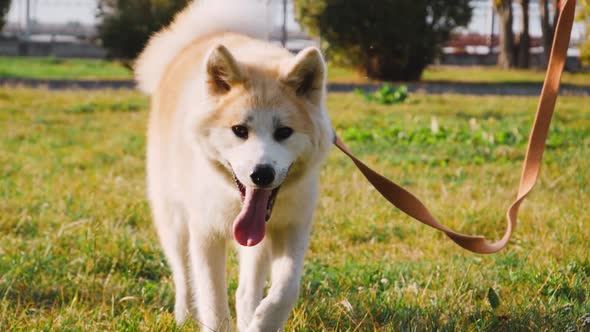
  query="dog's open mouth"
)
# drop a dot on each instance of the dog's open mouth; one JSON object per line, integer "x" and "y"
{"x": 249, "y": 225}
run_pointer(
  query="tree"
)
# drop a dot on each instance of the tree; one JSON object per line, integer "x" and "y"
{"x": 524, "y": 38}
{"x": 514, "y": 50}
{"x": 584, "y": 16}
{"x": 4, "y": 7}
{"x": 388, "y": 39}
{"x": 127, "y": 24}
{"x": 506, "y": 58}
{"x": 548, "y": 25}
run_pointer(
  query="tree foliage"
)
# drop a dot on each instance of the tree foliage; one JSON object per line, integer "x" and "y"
{"x": 4, "y": 7}
{"x": 584, "y": 16}
{"x": 126, "y": 25}
{"x": 389, "y": 39}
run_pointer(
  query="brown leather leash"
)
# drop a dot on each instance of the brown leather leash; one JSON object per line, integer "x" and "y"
{"x": 412, "y": 206}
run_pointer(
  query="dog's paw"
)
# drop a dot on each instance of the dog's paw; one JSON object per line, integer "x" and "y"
{"x": 181, "y": 314}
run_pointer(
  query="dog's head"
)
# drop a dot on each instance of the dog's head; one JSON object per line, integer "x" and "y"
{"x": 266, "y": 128}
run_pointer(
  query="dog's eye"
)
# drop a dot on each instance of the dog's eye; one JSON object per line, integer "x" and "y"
{"x": 240, "y": 131}
{"x": 283, "y": 133}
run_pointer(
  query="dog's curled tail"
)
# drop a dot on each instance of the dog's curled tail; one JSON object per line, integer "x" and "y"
{"x": 198, "y": 19}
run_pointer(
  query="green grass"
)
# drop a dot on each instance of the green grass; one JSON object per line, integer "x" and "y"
{"x": 78, "y": 251}
{"x": 90, "y": 69}
{"x": 467, "y": 74}
{"x": 57, "y": 68}
{"x": 497, "y": 75}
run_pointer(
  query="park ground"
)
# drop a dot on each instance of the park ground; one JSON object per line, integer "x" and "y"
{"x": 78, "y": 251}
{"x": 47, "y": 68}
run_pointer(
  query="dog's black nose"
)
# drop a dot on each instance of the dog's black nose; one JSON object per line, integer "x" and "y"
{"x": 263, "y": 175}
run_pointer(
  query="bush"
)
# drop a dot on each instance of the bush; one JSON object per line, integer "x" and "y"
{"x": 386, "y": 94}
{"x": 585, "y": 55}
{"x": 389, "y": 39}
{"x": 584, "y": 16}
{"x": 4, "y": 7}
{"x": 127, "y": 24}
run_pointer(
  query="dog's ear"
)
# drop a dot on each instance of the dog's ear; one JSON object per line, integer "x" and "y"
{"x": 305, "y": 74}
{"x": 222, "y": 71}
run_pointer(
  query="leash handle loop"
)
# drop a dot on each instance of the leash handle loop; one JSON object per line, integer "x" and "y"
{"x": 412, "y": 206}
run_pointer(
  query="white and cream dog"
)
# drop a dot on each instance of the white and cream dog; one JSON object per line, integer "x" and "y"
{"x": 237, "y": 132}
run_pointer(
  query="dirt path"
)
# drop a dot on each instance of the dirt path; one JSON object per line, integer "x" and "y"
{"x": 501, "y": 89}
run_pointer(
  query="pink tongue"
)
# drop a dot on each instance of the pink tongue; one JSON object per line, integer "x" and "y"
{"x": 249, "y": 224}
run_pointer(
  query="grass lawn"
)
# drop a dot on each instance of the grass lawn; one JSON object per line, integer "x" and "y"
{"x": 497, "y": 75}
{"x": 90, "y": 69}
{"x": 467, "y": 74}
{"x": 78, "y": 251}
{"x": 67, "y": 69}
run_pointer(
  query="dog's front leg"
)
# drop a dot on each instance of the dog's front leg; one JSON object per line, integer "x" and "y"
{"x": 254, "y": 267}
{"x": 208, "y": 256}
{"x": 288, "y": 250}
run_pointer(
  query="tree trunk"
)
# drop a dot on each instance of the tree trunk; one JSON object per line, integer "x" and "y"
{"x": 388, "y": 68}
{"x": 547, "y": 26}
{"x": 524, "y": 39}
{"x": 506, "y": 58}
{"x": 284, "y": 26}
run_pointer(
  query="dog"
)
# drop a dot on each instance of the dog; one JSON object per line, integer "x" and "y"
{"x": 237, "y": 133}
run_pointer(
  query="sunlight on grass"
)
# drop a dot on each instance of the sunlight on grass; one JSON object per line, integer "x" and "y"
{"x": 57, "y": 68}
{"x": 497, "y": 75}
{"x": 78, "y": 251}
{"x": 465, "y": 74}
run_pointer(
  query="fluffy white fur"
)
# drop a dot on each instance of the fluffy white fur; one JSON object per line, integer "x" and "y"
{"x": 201, "y": 18}
{"x": 192, "y": 153}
